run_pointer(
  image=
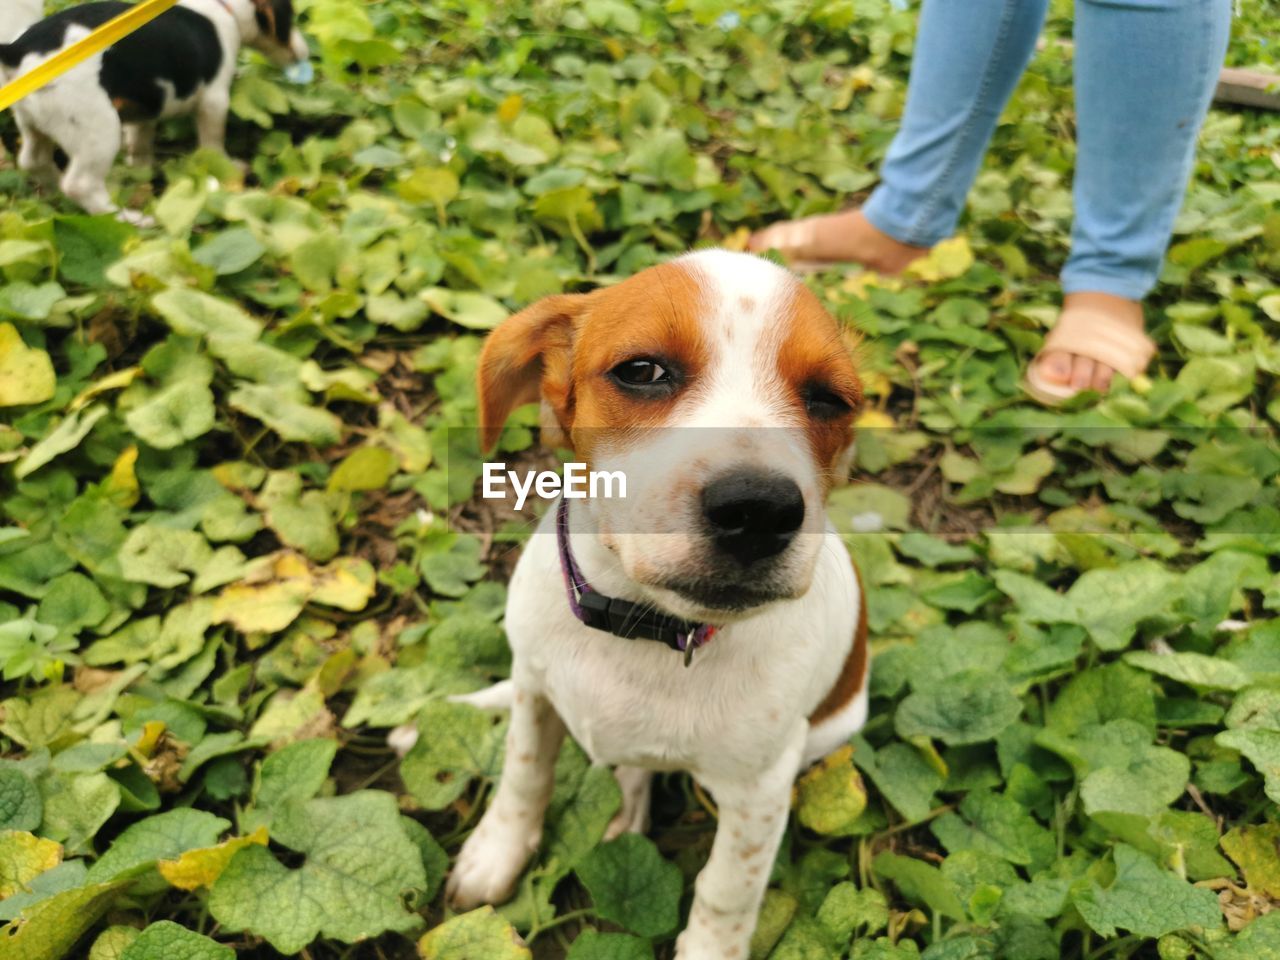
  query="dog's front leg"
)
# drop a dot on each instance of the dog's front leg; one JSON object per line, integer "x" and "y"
{"x": 491, "y": 860}
{"x": 730, "y": 888}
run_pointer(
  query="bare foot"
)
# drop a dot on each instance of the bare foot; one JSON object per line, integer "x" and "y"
{"x": 1078, "y": 373}
{"x": 845, "y": 237}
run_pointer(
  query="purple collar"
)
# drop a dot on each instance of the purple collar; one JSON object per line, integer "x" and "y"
{"x": 622, "y": 618}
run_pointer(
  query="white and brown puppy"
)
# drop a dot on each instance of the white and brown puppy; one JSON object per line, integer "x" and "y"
{"x": 181, "y": 62}
{"x": 724, "y": 391}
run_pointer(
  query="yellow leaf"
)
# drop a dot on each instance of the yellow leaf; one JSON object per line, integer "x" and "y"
{"x": 23, "y": 857}
{"x": 112, "y": 381}
{"x": 737, "y": 241}
{"x": 948, "y": 260}
{"x": 260, "y": 608}
{"x": 831, "y": 795}
{"x": 347, "y": 583}
{"x": 122, "y": 482}
{"x": 200, "y": 868}
{"x": 875, "y": 384}
{"x": 874, "y": 420}
{"x": 860, "y": 282}
{"x": 152, "y": 730}
{"x": 26, "y": 374}
{"x": 510, "y": 108}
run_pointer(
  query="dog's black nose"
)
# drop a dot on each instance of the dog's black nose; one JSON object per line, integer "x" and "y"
{"x": 753, "y": 514}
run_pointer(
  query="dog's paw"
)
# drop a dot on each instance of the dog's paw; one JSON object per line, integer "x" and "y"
{"x": 705, "y": 943}
{"x": 490, "y": 863}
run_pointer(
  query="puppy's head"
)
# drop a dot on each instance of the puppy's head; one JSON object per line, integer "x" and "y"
{"x": 723, "y": 391}
{"x": 276, "y": 37}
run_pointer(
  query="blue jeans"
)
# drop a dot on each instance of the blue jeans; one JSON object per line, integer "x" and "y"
{"x": 1145, "y": 72}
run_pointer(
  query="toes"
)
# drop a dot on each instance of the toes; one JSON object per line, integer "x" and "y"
{"x": 1101, "y": 377}
{"x": 1081, "y": 373}
{"x": 1056, "y": 367}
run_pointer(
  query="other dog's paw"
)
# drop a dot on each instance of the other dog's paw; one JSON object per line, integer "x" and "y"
{"x": 402, "y": 738}
{"x": 125, "y": 215}
{"x": 490, "y": 863}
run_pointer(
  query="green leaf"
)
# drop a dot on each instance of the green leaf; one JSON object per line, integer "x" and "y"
{"x": 920, "y": 882}
{"x": 20, "y": 805}
{"x": 292, "y": 774}
{"x": 1262, "y": 748}
{"x": 158, "y": 555}
{"x": 1145, "y": 900}
{"x": 996, "y": 824}
{"x": 847, "y": 909}
{"x": 1194, "y": 669}
{"x": 974, "y": 708}
{"x": 73, "y": 601}
{"x": 286, "y": 411}
{"x": 455, "y": 744}
{"x": 632, "y": 885}
{"x": 49, "y": 929}
{"x": 1111, "y": 603}
{"x": 76, "y": 806}
{"x": 164, "y": 836}
{"x": 66, "y": 436}
{"x": 465, "y": 308}
{"x": 173, "y": 415}
{"x": 230, "y": 251}
{"x": 88, "y": 245}
{"x": 167, "y": 940}
{"x": 196, "y": 314}
{"x": 593, "y": 945}
{"x": 359, "y": 864}
{"x": 480, "y": 933}
{"x": 905, "y": 778}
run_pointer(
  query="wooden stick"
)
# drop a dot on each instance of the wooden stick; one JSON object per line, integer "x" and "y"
{"x": 1240, "y": 87}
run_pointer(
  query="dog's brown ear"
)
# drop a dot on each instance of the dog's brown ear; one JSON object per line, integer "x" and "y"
{"x": 528, "y": 356}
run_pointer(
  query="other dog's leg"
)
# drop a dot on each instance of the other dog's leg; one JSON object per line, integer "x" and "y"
{"x": 730, "y": 888}
{"x": 491, "y": 860}
{"x": 35, "y": 156}
{"x": 211, "y": 120}
{"x": 89, "y": 162}
{"x": 139, "y": 143}
{"x": 637, "y": 788}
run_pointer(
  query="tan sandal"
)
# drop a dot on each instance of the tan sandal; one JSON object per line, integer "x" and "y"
{"x": 1095, "y": 335}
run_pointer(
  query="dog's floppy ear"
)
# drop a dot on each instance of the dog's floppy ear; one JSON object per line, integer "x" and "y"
{"x": 528, "y": 356}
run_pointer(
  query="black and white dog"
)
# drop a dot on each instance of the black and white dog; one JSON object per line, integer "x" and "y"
{"x": 16, "y": 16}
{"x": 181, "y": 62}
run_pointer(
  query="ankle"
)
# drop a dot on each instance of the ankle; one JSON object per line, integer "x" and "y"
{"x": 1122, "y": 309}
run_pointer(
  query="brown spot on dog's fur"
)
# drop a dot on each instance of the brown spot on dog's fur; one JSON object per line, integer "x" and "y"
{"x": 854, "y": 673}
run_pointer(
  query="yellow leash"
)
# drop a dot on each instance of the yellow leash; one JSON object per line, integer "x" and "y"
{"x": 110, "y": 32}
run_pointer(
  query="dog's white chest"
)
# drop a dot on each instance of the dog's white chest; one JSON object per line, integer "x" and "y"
{"x": 634, "y": 703}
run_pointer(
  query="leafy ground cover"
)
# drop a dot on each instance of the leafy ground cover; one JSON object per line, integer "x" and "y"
{"x": 233, "y": 553}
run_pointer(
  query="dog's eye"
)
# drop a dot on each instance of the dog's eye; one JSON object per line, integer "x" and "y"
{"x": 641, "y": 372}
{"x": 824, "y": 404}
